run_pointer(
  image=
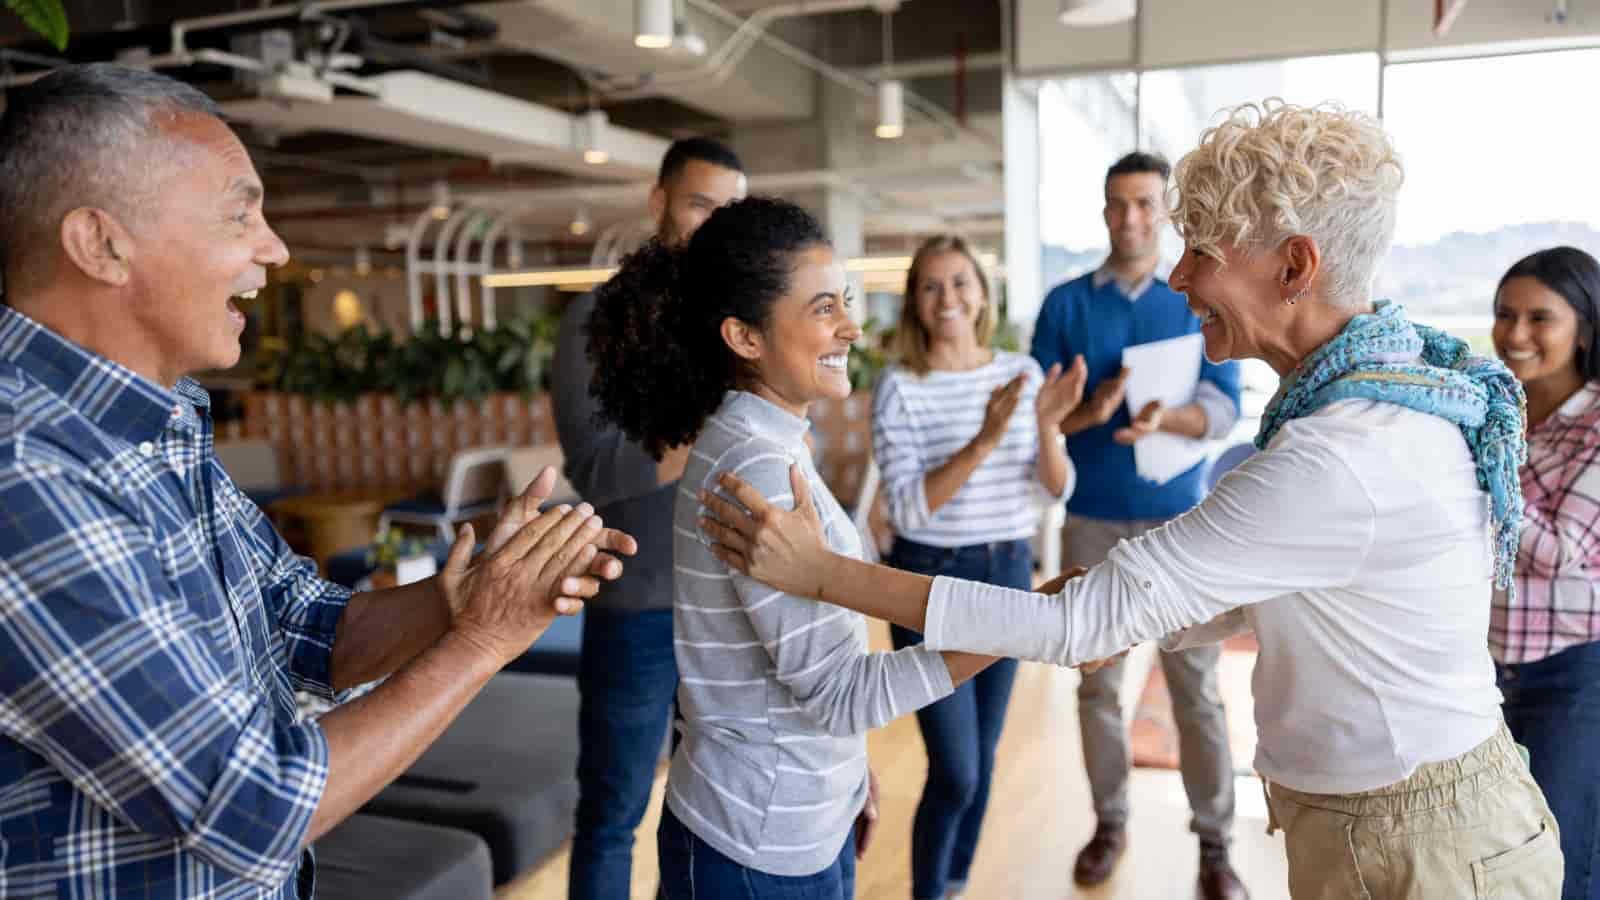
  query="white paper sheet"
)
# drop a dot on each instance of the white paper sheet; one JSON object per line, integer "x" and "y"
{"x": 1167, "y": 371}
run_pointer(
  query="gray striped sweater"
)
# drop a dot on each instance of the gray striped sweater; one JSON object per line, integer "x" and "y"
{"x": 776, "y": 692}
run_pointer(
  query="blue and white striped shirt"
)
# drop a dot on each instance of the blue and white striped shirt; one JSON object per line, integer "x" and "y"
{"x": 920, "y": 421}
{"x": 153, "y": 631}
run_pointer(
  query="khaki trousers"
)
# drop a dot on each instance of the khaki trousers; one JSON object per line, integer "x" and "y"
{"x": 1476, "y": 826}
{"x": 1204, "y": 757}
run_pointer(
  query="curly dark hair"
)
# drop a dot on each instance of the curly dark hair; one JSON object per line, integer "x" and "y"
{"x": 655, "y": 336}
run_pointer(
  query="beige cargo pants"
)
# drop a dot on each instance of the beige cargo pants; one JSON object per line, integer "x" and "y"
{"x": 1476, "y": 826}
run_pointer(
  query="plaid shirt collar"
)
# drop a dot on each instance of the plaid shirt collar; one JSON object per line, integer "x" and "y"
{"x": 115, "y": 398}
{"x": 1581, "y": 403}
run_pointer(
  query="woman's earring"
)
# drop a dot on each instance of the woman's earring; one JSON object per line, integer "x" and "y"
{"x": 1297, "y": 296}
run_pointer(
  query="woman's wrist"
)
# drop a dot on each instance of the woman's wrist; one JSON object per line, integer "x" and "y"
{"x": 827, "y": 568}
{"x": 981, "y": 446}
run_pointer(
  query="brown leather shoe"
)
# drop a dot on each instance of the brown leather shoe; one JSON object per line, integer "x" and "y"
{"x": 1098, "y": 858}
{"x": 1218, "y": 881}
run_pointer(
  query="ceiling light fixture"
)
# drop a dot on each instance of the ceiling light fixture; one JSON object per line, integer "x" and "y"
{"x": 891, "y": 93}
{"x": 581, "y": 225}
{"x": 1096, "y": 13}
{"x": 891, "y": 110}
{"x": 547, "y": 277}
{"x": 652, "y": 24}
{"x": 893, "y": 265}
{"x": 592, "y": 137}
{"x": 440, "y": 207}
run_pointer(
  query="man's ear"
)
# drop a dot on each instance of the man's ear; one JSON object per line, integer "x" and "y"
{"x": 93, "y": 241}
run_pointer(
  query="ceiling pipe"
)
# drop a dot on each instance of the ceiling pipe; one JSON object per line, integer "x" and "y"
{"x": 728, "y": 55}
{"x": 182, "y": 28}
{"x": 934, "y": 67}
{"x": 179, "y": 54}
{"x": 929, "y": 110}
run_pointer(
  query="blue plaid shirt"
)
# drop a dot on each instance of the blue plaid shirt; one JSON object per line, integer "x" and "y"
{"x": 154, "y": 628}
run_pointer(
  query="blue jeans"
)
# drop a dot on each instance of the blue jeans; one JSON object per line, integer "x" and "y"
{"x": 692, "y": 869}
{"x": 1552, "y": 707}
{"x": 960, "y": 731}
{"x": 626, "y": 681}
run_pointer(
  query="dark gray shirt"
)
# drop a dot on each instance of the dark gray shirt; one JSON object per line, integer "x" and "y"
{"x": 612, "y": 473}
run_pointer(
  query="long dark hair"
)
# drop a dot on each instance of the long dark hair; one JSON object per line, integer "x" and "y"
{"x": 1575, "y": 275}
{"x": 655, "y": 337}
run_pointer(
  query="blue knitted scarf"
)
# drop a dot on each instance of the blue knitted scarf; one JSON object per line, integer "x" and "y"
{"x": 1375, "y": 358}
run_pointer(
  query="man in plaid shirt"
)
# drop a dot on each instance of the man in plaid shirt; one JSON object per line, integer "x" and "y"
{"x": 153, "y": 625}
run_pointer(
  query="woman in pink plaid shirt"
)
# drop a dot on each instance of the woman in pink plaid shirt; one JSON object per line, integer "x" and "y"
{"x": 1547, "y": 639}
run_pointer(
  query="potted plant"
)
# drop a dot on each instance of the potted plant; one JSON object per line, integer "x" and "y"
{"x": 391, "y": 550}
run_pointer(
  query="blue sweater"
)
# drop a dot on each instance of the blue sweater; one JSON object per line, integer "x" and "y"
{"x": 1099, "y": 322}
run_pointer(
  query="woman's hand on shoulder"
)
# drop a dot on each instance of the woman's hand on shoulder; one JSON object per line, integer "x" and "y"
{"x": 787, "y": 549}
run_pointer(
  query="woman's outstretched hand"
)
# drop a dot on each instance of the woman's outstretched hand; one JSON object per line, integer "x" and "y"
{"x": 786, "y": 549}
{"x": 1057, "y": 585}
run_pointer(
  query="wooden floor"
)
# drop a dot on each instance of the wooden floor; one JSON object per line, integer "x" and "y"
{"x": 1039, "y": 813}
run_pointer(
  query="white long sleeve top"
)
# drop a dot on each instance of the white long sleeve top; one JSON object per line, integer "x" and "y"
{"x": 1357, "y": 546}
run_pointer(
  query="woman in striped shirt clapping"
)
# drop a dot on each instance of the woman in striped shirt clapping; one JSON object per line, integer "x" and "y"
{"x": 969, "y": 442}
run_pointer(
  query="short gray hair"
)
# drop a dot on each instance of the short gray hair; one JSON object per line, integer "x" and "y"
{"x": 78, "y": 137}
{"x": 1272, "y": 170}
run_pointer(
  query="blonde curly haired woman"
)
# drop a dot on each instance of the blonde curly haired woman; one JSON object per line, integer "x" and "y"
{"x": 1361, "y": 544}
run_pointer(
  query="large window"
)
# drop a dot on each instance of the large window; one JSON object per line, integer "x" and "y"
{"x": 1085, "y": 125}
{"x": 1498, "y": 156}
{"x": 1496, "y": 152}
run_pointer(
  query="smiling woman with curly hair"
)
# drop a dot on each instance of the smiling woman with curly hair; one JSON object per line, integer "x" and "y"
{"x": 726, "y": 343}
{"x": 1361, "y": 543}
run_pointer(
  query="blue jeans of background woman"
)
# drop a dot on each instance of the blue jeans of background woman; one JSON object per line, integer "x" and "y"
{"x": 960, "y": 731}
{"x": 1552, "y": 707}
{"x": 692, "y": 869}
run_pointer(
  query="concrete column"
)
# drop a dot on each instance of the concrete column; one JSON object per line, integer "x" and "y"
{"x": 1024, "y": 290}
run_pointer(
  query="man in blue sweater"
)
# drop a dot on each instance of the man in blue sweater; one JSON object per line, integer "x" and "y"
{"x": 1123, "y": 304}
{"x": 627, "y": 675}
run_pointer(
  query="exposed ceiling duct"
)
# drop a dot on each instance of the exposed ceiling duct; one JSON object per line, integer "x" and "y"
{"x": 418, "y": 109}
{"x": 598, "y": 36}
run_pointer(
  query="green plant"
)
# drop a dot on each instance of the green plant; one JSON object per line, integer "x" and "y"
{"x": 390, "y": 546}
{"x": 326, "y": 369}
{"x": 514, "y": 357}
{"x": 1007, "y": 333}
{"x": 47, "y": 17}
{"x": 522, "y": 350}
{"x": 868, "y": 355}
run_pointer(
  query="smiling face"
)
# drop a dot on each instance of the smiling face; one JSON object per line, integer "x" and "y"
{"x": 949, "y": 298}
{"x": 1536, "y": 332}
{"x": 1135, "y": 209}
{"x": 1238, "y": 300}
{"x": 683, "y": 204}
{"x": 202, "y": 243}
{"x": 801, "y": 355}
